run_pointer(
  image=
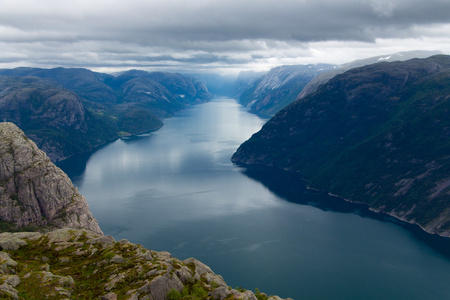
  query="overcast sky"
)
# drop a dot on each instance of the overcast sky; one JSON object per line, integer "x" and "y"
{"x": 214, "y": 35}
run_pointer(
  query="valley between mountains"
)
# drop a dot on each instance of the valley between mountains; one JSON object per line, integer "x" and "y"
{"x": 373, "y": 132}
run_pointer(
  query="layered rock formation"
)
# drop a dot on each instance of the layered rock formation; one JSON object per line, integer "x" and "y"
{"x": 34, "y": 193}
{"x": 79, "y": 264}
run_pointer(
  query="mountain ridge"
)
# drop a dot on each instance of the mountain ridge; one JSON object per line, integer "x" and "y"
{"x": 68, "y": 111}
{"x": 377, "y": 135}
{"x": 322, "y": 78}
{"x": 267, "y": 94}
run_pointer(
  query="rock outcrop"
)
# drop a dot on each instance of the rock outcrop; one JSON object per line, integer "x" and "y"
{"x": 80, "y": 264}
{"x": 34, "y": 193}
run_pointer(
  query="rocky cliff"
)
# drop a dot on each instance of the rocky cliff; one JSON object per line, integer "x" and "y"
{"x": 77, "y": 261}
{"x": 34, "y": 193}
{"x": 378, "y": 135}
{"x": 79, "y": 264}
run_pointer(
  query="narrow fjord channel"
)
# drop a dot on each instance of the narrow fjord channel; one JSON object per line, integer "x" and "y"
{"x": 176, "y": 190}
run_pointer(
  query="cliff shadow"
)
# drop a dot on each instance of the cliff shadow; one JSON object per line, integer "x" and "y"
{"x": 75, "y": 165}
{"x": 291, "y": 187}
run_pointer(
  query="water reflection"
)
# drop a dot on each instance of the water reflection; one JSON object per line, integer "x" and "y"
{"x": 177, "y": 190}
{"x": 75, "y": 166}
{"x": 291, "y": 187}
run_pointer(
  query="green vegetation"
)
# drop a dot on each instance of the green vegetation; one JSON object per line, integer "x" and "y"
{"x": 68, "y": 111}
{"x": 79, "y": 264}
{"x": 191, "y": 291}
{"x": 259, "y": 295}
{"x": 377, "y": 135}
{"x": 7, "y": 226}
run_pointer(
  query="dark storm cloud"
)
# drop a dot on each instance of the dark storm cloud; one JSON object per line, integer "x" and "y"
{"x": 205, "y": 32}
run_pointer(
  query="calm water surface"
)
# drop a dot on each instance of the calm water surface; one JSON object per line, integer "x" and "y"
{"x": 176, "y": 190}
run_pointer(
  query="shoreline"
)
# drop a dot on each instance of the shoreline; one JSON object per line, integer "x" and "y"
{"x": 379, "y": 212}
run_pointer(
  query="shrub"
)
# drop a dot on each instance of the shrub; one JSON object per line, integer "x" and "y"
{"x": 173, "y": 294}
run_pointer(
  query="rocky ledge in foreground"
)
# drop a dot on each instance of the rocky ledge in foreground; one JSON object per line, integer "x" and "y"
{"x": 34, "y": 193}
{"x": 80, "y": 264}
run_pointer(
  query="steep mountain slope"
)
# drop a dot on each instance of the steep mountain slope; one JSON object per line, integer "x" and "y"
{"x": 322, "y": 78}
{"x": 245, "y": 85}
{"x": 185, "y": 89}
{"x": 53, "y": 116}
{"x": 34, "y": 193}
{"x": 85, "y": 83}
{"x": 278, "y": 88}
{"x": 147, "y": 94}
{"x": 105, "y": 88}
{"x": 67, "y": 111}
{"x": 378, "y": 135}
{"x": 189, "y": 89}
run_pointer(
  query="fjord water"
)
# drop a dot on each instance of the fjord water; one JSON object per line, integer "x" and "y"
{"x": 176, "y": 190}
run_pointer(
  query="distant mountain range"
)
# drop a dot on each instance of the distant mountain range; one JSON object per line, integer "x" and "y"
{"x": 67, "y": 111}
{"x": 324, "y": 77}
{"x": 378, "y": 135}
{"x": 267, "y": 94}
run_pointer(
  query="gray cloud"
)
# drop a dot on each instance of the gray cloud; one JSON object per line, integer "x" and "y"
{"x": 180, "y": 33}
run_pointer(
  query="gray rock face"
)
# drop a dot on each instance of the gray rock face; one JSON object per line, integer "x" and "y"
{"x": 33, "y": 191}
{"x": 160, "y": 286}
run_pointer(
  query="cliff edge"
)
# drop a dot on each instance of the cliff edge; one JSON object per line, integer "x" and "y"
{"x": 70, "y": 258}
{"x": 80, "y": 264}
{"x": 34, "y": 193}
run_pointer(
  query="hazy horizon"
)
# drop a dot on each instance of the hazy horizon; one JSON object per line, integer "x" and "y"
{"x": 222, "y": 37}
